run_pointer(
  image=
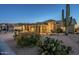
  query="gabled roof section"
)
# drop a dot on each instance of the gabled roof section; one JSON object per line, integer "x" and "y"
{"x": 37, "y": 23}
{"x": 49, "y": 20}
{"x": 59, "y": 21}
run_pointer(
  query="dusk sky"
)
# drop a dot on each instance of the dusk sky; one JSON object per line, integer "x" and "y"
{"x": 24, "y": 13}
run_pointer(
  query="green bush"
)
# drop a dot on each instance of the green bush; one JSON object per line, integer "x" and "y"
{"x": 53, "y": 47}
{"x": 27, "y": 39}
{"x": 59, "y": 30}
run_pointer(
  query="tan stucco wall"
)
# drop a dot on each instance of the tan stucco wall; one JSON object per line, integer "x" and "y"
{"x": 51, "y": 26}
{"x": 42, "y": 28}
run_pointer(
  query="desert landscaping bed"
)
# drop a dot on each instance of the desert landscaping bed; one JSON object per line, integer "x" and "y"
{"x": 8, "y": 38}
{"x": 22, "y": 51}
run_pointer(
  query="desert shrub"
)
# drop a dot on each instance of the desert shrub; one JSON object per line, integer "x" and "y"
{"x": 52, "y": 31}
{"x": 59, "y": 30}
{"x": 27, "y": 39}
{"x": 53, "y": 47}
{"x": 15, "y": 34}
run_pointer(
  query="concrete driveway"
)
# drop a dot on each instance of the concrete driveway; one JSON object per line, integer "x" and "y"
{"x": 4, "y": 48}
